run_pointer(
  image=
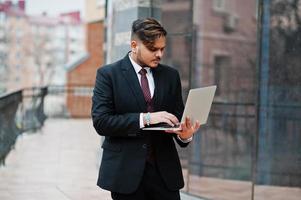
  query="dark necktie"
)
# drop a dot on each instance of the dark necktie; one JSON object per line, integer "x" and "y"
{"x": 146, "y": 90}
{"x": 148, "y": 98}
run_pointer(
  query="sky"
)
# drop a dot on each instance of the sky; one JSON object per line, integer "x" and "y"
{"x": 53, "y": 7}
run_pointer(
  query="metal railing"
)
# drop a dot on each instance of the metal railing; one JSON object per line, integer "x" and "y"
{"x": 9, "y": 129}
{"x": 223, "y": 147}
{"x": 26, "y": 110}
{"x": 20, "y": 111}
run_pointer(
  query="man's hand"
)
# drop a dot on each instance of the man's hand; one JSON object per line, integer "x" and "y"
{"x": 163, "y": 116}
{"x": 187, "y": 129}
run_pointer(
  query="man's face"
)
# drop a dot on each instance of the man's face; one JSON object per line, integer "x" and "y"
{"x": 148, "y": 55}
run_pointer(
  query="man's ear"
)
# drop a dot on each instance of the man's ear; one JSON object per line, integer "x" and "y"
{"x": 134, "y": 46}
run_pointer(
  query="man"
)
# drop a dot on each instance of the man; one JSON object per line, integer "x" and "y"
{"x": 130, "y": 94}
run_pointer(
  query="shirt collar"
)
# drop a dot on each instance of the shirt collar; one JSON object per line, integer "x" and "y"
{"x": 137, "y": 67}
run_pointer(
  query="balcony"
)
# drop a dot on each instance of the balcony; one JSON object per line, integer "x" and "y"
{"x": 53, "y": 159}
{"x": 59, "y": 161}
{"x": 50, "y": 150}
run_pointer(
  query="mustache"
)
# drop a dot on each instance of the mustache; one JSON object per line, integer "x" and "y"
{"x": 157, "y": 59}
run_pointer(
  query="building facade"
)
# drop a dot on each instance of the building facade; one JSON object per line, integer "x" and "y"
{"x": 35, "y": 49}
{"x": 17, "y": 33}
{"x": 82, "y": 71}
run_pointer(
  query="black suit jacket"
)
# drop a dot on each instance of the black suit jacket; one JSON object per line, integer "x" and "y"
{"x": 116, "y": 105}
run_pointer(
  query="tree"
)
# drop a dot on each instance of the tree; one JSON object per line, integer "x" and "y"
{"x": 285, "y": 42}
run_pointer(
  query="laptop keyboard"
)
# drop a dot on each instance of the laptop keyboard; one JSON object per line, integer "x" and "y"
{"x": 164, "y": 125}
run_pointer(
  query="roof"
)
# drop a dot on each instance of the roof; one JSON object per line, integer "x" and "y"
{"x": 76, "y": 62}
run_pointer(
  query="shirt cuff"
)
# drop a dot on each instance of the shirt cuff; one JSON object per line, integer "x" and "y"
{"x": 185, "y": 141}
{"x": 141, "y": 124}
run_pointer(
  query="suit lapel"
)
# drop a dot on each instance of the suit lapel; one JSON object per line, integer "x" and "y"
{"x": 159, "y": 88}
{"x": 133, "y": 82}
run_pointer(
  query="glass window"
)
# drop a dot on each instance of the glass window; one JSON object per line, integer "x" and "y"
{"x": 221, "y": 68}
{"x": 219, "y": 5}
{"x": 250, "y": 146}
{"x": 279, "y": 134}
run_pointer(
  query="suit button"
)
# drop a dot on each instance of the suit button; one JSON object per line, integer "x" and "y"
{"x": 144, "y": 146}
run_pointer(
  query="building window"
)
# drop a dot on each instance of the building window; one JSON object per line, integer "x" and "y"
{"x": 2, "y": 17}
{"x": 18, "y": 55}
{"x": 100, "y": 3}
{"x": 219, "y": 5}
{"x": 222, "y": 72}
{"x": 17, "y": 79}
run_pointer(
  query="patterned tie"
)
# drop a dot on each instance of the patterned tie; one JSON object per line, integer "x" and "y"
{"x": 150, "y": 158}
{"x": 146, "y": 90}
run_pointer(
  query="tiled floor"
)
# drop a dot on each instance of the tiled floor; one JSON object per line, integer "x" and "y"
{"x": 222, "y": 189}
{"x": 60, "y": 162}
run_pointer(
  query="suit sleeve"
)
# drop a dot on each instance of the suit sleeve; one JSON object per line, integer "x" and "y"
{"x": 105, "y": 120}
{"x": 179, "y": 107}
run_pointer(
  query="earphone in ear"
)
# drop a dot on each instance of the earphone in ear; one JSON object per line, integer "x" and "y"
{"x": 134, "y": 50}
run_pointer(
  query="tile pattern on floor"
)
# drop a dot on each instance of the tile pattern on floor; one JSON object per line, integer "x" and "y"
{"x": 59, "y": 162}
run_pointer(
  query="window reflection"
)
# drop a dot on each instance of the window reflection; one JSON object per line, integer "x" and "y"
{"x": 258, "y": 95}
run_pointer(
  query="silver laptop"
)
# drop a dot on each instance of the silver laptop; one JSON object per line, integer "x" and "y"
{"x": 197, "y": 107}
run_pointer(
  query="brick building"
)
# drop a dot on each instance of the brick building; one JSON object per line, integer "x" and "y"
{"x": 82, "y": 72}
{"x": 213, "y": 44}
{"x": 34, "y": 49}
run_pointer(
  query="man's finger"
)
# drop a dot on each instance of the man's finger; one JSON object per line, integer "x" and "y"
{"x": 168, "y": 121}
{"x": 188, "y": 122}
{"x": 183, "y": 126}
{"x": 173, "y": 118}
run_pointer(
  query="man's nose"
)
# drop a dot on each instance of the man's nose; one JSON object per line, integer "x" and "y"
{"x": 159, "y": 53}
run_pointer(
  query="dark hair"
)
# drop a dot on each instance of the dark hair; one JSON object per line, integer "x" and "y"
{"x": 147, "y": 30}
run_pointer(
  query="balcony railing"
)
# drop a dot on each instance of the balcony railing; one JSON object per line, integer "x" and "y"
{"x": 9, "y": 129}
{"x": 26, "y": 110}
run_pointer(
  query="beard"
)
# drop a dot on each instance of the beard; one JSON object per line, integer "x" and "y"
{"x": 141, "y": 61}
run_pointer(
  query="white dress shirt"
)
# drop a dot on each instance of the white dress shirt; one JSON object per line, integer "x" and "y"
{"x": 151, "y": 84}
{"x": 150, "y": 79}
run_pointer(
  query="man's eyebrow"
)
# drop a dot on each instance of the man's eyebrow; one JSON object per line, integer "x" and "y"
{"x": 152, "y": 47}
